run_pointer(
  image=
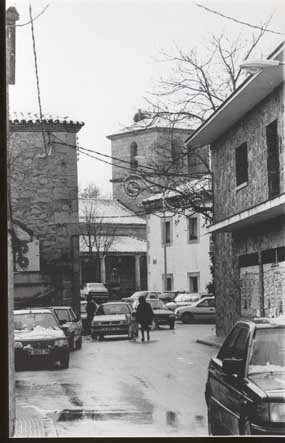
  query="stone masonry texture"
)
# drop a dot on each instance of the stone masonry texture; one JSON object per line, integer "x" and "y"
{"x": 44, "y": 197}
{"x": 228, "y": 201}
{"x": 148, "y": 142}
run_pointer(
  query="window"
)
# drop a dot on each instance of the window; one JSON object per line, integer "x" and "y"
{"x": 193, "y": 281}
{"x": 272, "y": 159}
{"x": 206, "y": 304}
{"x": 133, "y": 154}
{"x": 193, "y": 229}
{"x": 241, "y": 165}
{"x": 166, "y": 231}
{"x": 235, "y": 345}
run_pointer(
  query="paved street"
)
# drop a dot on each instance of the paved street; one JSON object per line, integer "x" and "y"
{"x": 119, "y": 388}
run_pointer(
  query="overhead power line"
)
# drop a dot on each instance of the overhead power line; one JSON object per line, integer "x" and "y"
{"x": 238, "y": 21}
{"x": 37, "y": 78}
{"x": 33, "y": 19}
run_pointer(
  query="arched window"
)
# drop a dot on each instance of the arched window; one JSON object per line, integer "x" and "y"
{"x": 133, "y": 154}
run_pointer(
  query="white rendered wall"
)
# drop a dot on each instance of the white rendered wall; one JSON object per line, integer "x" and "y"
{"x": 182, "y": 257}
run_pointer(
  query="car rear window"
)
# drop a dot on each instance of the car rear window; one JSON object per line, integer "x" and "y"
{"x": 112, "y": 309}
{"x": 156, "y": 304}
{"x": 268, "y": 350}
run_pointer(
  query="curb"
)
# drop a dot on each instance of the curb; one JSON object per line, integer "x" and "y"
{"x": 208, "y": 343}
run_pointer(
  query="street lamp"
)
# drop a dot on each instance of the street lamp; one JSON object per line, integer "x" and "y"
{"x": 255, "y": 65}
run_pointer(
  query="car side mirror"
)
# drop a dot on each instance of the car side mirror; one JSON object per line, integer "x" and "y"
{"x": 232, "y": 366}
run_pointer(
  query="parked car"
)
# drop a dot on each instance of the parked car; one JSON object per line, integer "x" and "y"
{"x": 162, "y": 315}
{"x": 183, "y": 300}
{"x": 204, "y": 309}
{"x": 98, "y": 291}
{"x": 136, "y": 295}
{"x": 71, "y": 325}
{"x": 245, "y": 389}
{"x": 168, "y": 296}
{"x": 38, "y": 336}
{"x": 111, "y": 318}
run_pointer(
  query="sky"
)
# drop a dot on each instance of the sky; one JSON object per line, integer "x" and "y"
{"x": 98, "y": 59}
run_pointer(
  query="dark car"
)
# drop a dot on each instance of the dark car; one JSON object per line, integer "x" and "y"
{"x": 39, "y": 337}
{"x": 162, "y": 315}
{"x": 245, "y": 389}
{"x": 111, "y": 318}
{"x": 71, "y": 325}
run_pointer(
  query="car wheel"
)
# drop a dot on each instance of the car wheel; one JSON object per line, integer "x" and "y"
{"x": 154, "y": 324}
{"x": 186, "y": 317}
{"x": 79, "y": 343}
{"x": 64, "y": 362}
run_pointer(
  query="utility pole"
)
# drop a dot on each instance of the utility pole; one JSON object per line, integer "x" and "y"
{"x": 164, "y": 244}
{"x": 11, "y": 17}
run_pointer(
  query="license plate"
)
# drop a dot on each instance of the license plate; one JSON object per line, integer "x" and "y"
{"x": 39, "y": 352}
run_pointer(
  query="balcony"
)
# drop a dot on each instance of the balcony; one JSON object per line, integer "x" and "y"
{"x": 261, "y": 213}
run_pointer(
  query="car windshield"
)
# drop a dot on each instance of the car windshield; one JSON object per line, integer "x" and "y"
{"x": 62, "y": 314}
{"x": 30, "y": 320}
{"x": 268, "y": 351}
{"x": 156, "y": 304}
{"x": 110, "y": 309}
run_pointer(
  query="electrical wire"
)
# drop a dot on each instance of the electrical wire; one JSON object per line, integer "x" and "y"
{"x": 37, "y": 78}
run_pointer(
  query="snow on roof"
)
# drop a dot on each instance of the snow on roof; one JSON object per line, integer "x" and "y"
{"x": 122, "y": 243}
{"x": 191, "y": 186}
{"x": 154, "y": 123}
{"x": 112, "y": 211}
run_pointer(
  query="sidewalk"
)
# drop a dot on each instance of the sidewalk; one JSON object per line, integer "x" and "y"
{"x": 30, "y": 423}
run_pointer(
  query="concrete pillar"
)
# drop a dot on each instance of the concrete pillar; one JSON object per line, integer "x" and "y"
{"x": 103, "y": 269}
{"x": 138, "y": 273}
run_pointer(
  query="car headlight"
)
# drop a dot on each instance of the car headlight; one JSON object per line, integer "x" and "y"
{"x": 18, "y": 345}
{"x": 277, "y": 412}
{"x": 273, "y": 412}
{"x": 61, "y": 342}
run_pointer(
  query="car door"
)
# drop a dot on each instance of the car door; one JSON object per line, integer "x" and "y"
{"x": 201, "y": 310}
{"x": 227, "y": 391}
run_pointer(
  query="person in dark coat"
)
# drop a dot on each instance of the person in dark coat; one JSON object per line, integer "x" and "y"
{"x": 144, "y": 316}
{"x": 90, "y": 310}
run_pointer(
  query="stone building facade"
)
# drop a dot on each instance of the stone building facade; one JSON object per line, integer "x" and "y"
{"x": 248, "y": 159}
{"x": 44, "y": 196}
{"x": 155, "y": 146}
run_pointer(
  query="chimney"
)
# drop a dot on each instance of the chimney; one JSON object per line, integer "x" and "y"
{"x": 11, "y": 17}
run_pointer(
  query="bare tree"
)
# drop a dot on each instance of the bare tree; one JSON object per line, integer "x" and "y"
{"x": 196, "y": 86}
{"x": 96, "y": 235}
{"x": 90, "y": 191}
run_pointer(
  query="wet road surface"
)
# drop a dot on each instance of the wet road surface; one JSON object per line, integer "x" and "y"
{"x": 120, "y": 388}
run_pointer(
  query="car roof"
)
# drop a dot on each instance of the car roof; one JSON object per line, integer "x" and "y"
{"x": 115, "y": 303}
{"x": 60, "y": 307}
{"x": 30, "y": 311}
{"x": 264, "y": 322}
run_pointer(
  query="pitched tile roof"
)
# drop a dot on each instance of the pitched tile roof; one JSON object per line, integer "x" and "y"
{"x": 29, "y": 117}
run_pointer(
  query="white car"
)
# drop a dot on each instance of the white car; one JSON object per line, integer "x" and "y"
{"x": 183, "y": 300}
{"x": 204, "y": 309}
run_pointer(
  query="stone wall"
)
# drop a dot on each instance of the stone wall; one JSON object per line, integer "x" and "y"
{"x": 153, "y": 144}
{"x": 251, "y": 129}
{"x": 44, "y": 197}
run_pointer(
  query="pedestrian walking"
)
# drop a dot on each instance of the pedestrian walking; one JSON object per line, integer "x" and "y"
{"x": 133, "y": 329}
{"x": 90, "y": 310}
{"x": 144, "y": 316}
